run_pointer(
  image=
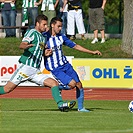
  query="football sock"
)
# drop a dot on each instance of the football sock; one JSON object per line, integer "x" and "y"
{"x": 64, "y": 87}
{"x": 80, "y": 97}
{"x": 2, "y": 90}
{"x": 56, "y": 95}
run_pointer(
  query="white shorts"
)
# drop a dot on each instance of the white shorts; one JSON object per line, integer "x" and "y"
{"x": 72, "y": 17}
{"x": 24, "y": 73}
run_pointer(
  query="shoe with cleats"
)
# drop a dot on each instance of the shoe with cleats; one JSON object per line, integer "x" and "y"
{"x": 83, "y": 110}
{"x": 65, "y": 107}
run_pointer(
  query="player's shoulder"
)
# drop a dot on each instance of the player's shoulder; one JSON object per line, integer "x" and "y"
{"x": 61, "y": 35}
{"x": 29, "y": 35}
{"x": 46, "y": 33}
{"x": 30, "y": 32}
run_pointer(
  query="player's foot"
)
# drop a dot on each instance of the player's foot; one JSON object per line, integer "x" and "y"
{"x": 83, "y": 110}
{"x": 95, "y": 40}
{"x": 65, "y": 107}
{"x": 71, "y": 104}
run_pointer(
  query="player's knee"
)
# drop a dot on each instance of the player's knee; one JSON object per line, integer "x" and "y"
{"x": 54, "y": 83}
{"x": 72, "y": 87}
{"x": 49, "y": 82}
{"x": 79, "y": 85}
{"x": 9, "y": 87}
{"x": 8, "y": 90}
{"x": 72, "y": 84}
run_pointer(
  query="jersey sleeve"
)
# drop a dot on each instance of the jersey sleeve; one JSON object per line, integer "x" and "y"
{"x": 68, "y": 42}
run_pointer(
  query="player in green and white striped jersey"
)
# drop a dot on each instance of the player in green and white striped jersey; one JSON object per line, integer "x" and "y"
{"x": 33, "y": 46}
{"x": 35, "y": 52}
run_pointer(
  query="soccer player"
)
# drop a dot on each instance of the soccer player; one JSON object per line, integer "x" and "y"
{"x": 58, "y": 64}
{"x": 33, "y": 46}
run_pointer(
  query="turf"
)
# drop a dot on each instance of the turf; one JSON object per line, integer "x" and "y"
{"x": 42, "y": 116}
{"x": 110, "y": 49}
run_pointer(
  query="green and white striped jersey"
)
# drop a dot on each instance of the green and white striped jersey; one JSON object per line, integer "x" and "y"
{"x": 28, "y": 3}
{"x": 33, "y": 56}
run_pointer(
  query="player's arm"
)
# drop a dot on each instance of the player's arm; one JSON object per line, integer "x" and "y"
{"x": 47, "y": 51}
{"x": 72, "y": 44}
{"x": 82, "y": 49}
{"x": 25, "y": 45}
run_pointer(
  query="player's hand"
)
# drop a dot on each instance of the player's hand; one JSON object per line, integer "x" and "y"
{"x": 25, "y": 45}
{"x": 48, "y": 52}
{"x": 97, "y": 52}
{"x": 29, "y": 46}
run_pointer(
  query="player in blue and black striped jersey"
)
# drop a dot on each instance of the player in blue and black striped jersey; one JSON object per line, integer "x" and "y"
{"x": 58, "y": 64}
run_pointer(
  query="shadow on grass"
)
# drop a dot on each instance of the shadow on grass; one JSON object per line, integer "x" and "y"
{"x": 93, "y": 109}
{"x": 72, "y": 110}
{"x": 32, "y": 110}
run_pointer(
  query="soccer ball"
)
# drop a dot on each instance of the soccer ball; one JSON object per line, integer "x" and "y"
{"x": 130, "y": 107}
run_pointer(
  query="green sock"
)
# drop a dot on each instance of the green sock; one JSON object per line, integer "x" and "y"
{"x": 2, "y": 90}
{"x": 56, "y": 95}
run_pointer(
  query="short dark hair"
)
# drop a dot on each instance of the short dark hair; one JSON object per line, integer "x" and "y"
{"x": 54, "y": 20}
{"x": 39, "y": 18}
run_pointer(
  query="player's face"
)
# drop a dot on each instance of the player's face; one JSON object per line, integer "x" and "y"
{"x": 57, "y": 27}
{"x": 42, "y": 26}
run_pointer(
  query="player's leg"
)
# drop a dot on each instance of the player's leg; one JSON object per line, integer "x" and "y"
{"x": 44, "y": 80}
{"x": 79, "y": 89}
{"x": 68, "y": 76}
{"x": 7, "y": 88}
{"x": 55, "y": 90}
{"x": 69, "y": 86}
{"x": 80, "y": 97}
{"x": 63, "y": 106}
{"x": 18, "y": 77}
{"x": 61, "y": 75}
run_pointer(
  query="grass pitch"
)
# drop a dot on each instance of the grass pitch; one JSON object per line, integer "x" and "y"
{"x": 42, "y": 116}
{"x": 110, "y": 49}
